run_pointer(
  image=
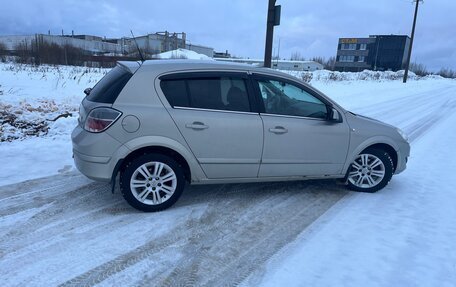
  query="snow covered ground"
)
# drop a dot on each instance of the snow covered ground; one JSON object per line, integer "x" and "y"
{"x": 29, "y": 96}
{"x": 402, "y": 236}
{"x": 68, "y": 230}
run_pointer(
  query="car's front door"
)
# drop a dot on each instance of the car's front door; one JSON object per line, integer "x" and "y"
{"x": 298, "y": 138}
{"x": 214, "y": 114}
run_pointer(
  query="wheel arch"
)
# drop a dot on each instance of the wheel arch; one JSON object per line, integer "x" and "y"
{"x": 383, "y": 143}
{"x": 386, "y": 148}
{"x": 160, "y": 150}
{"x": 162, "y": 145}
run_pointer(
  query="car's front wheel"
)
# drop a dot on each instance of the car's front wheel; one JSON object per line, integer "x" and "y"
{"x": 152, "y": 182}
{"x": 370, "y": 171}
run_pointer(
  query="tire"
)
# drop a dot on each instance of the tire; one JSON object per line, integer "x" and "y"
{"x": 152, "y": 182}
{"x": 370, "y": 171}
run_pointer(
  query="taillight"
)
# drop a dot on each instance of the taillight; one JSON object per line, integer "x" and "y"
{"x": 99, "y": 119}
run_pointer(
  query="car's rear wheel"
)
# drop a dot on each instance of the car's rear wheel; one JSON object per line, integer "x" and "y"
{"x": 152, "y": 182}
{"x": 370, "y": 171}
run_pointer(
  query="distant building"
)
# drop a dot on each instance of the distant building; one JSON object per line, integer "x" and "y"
{"x": 378, "y": 52}
{"x": 279, "y": 64}
{"x": 208, "y": 51}
{"x": 150, "y": 44}
{"x": 222, "y": 54}
{"x": 92, "y": 44}
{"x": 165, "y": 41}
{"x": 160, "y": 42}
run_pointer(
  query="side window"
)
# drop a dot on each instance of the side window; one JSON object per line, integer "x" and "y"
{"x": 175, "y": 92}
{"x": 205, "y": 93}
{"x": 215, "y": 93}
{"x": 285, "y": 99}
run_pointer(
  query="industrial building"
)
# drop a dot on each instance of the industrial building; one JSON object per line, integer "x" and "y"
{"x": 150, "y": 44}
{"x": 92, "y": 44}
{"x": 165, "y": 41}
{"x": 279, "y": 64}
{"x": 378, "y": 52}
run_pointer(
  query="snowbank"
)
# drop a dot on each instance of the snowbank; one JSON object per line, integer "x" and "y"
{"x": 183, "y": 54}
{"x": 30, "y": 97}
{"x": 366, "y": 75}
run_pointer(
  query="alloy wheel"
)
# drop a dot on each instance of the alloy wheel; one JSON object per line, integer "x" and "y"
{"x": 153, "y": 183}
{"x": 366, "y": 171}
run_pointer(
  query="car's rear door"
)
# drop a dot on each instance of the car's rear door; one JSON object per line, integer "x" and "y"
{"x": 214, "y": 113}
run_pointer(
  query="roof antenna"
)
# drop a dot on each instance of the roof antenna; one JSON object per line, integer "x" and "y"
{"x": 139, "y": 50}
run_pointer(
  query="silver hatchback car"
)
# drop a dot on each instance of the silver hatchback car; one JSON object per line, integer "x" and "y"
{"x": 162, "y": 123}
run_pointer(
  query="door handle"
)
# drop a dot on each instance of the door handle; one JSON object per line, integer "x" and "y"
{"x": 197, "y": 126}
{"x": 278, "y": 130}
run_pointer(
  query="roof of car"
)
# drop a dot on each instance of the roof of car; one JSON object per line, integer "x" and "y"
{"x": 162, "y": 66}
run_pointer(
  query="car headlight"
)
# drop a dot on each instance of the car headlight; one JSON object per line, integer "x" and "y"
{"x": 403, "y": 135}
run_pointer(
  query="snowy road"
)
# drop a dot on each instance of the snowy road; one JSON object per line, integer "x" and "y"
{"x": 78, "y": 230}
{"x": 402, "y": 236}
{"x": 66, "y": 230}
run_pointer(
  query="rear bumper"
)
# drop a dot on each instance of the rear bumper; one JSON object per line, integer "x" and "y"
{"x": 94, "y": 167}
{"x": 96, "y": 154}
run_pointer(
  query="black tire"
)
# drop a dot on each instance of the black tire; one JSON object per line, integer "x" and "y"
{"x": 132, "y": 169}
{"x": 388, "y": 169}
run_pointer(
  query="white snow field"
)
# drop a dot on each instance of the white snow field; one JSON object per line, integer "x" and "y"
{"x": 67, "y": 230}
{"x": 34, "y": 94}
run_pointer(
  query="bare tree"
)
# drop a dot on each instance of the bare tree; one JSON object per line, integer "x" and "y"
{"x": 3, "y": 52}
{"x": 327, "y": 64}
{"x": 447, "y": 73}
{"x": 296, "y": 56}
{"x": 23, "y": 52}
{"x": 419, "y": 69}
{"x": 330, "y": 63}
{"x": 51, "y": 53}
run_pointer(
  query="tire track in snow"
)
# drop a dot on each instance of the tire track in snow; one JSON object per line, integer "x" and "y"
{"x": 179, "y": 236}
{"x": 251, "y": 240}
{"x": 244, "y": 211}
{"x": 415, "y": 114}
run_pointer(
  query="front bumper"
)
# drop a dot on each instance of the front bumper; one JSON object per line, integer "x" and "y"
{"x": 402, "y": 157}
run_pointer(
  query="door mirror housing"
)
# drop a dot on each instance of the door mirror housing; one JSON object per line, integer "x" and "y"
{"x": 334, "y": 115}
{"x": 87, "y": 91}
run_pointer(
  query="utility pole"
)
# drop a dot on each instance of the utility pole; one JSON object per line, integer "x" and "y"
{"x": 376, "y": 53}
{"x": 407, "y": 64}
{"x": 273, "y": 20}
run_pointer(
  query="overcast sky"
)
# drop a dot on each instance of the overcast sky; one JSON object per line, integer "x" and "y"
{"x": 310, "y": 27}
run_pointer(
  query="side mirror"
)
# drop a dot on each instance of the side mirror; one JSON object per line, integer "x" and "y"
{"x": 334, "y": 115}
{"x": 87, "y": 91}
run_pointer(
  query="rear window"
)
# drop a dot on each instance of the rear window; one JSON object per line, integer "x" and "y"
{"x": 110, "y": 86}
{"x": 215, "y": 93}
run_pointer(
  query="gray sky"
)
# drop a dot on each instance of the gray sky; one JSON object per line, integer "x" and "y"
{"x": 310, "y": 27}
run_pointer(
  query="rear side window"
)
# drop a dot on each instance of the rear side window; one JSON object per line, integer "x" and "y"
{"x": 110, "y": 86}
{"x": 215, "y": 93}
{"x": 176, "y": 92}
